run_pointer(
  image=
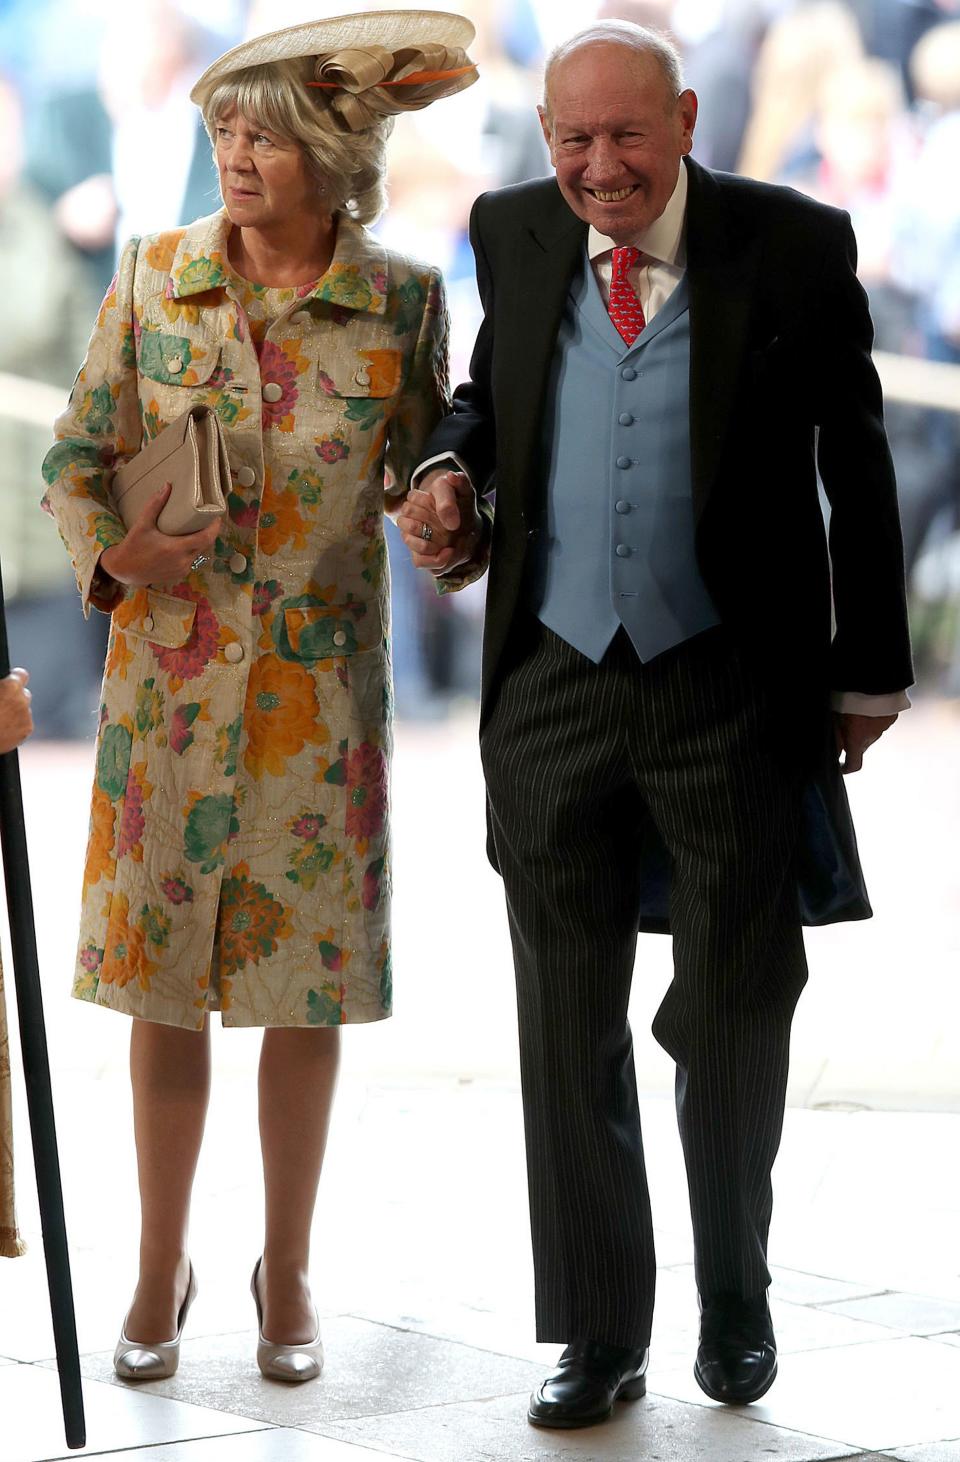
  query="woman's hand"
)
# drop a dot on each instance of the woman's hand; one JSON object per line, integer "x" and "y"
{"x": 444, "y": 504}
{"x": 16, "y": 721}
{"x": 149, "y": 556}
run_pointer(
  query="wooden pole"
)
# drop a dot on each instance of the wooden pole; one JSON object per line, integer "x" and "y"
{"x": 36, "y": 1069}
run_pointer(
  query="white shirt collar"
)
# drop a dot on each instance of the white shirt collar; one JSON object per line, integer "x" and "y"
{"x": 663, "y": 240}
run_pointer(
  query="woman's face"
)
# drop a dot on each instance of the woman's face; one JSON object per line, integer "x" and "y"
{"x": 264, "y": 178}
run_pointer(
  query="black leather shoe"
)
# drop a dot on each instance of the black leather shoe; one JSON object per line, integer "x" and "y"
{"x": 737, "y": 1358}
{"x": 589, "y": 1378}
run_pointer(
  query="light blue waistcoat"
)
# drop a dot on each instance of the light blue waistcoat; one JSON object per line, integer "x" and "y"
{"x": 618, "y": 540}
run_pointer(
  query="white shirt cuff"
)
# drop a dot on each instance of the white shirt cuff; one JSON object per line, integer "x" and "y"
{"x": 853, "y": 703}
{"x": 436, "y": 462}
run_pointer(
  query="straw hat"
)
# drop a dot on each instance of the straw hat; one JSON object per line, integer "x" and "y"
{"x": 367, "y": 66}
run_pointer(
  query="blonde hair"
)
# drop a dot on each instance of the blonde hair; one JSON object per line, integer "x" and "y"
{"x": 798, "y": 54}
{"x": 935, "y": 65}
{"x": 350, "y": 168}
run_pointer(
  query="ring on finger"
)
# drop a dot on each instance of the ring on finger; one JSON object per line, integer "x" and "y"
{"x": 426, "y": 532}
{"x": 199, "y": 561}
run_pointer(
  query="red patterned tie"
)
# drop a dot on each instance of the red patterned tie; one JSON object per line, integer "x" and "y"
{"x": 626, "y": 311}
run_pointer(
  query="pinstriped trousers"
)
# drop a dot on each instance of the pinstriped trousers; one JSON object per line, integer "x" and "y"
{"x": 580, "y": 759}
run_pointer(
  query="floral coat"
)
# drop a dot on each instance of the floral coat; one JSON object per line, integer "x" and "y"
{"x": 238, "y": 855}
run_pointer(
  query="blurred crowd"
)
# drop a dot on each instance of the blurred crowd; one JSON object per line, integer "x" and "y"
{"x": 856, "y": 102}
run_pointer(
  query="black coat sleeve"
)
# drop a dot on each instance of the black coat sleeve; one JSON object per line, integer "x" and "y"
{"x": 871, "y": 644}
{"x": 469, "y": 430}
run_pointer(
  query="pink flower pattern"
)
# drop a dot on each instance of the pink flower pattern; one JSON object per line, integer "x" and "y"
{"x": 132, "y": 821}
{"x": 187, "y": 662}
{"x": 276, "y": 368}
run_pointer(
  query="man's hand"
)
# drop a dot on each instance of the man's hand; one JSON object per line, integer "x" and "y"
{"x": 445, "y": 505}
{"x": 149, "y": 556}
{"x": 855, "y": 734}
{"x": 16, "y": 721}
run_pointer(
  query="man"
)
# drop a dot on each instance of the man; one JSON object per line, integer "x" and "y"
{"x": 656, "y": 726}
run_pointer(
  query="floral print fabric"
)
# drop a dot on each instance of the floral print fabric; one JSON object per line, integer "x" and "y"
{"x": 238, "y": 855}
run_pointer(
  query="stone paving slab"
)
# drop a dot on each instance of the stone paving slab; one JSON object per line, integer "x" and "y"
{"x": 275, "y": 1444}
{"x": 369, "y": 1369}
{"x": 935, "y": 1452}
{"x": 880, "y": 1396}
{"x": 31, "y": 1425}
{"x": 655, "y": 1429}
{"x": 910, "y": 1314}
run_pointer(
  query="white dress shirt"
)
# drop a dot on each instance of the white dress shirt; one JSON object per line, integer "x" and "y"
{"x": 656, "y": 274}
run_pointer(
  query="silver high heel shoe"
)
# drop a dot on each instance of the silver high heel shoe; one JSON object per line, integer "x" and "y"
{"x": 285, "y": 1362}
{"x": 135, "y": 1360}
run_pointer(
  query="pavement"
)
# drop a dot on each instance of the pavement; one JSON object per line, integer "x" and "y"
{"x": 421, "y": 1251}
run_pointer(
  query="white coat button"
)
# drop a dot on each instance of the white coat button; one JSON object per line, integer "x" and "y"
{"x": 233, "y": 652}
{"x": 238, "y": 563}
{"x": 339, "y": 638}
{"x": 301, "y": 317}
{"x": 147, "y": 623}
{"x": 174, "y": 365}
{"x": 246, "y": 477}
{"x": 272, "y": 391}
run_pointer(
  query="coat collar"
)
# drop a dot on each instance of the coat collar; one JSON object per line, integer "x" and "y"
{"x": 721, "y": 271}
{"x": 356, "y": 279}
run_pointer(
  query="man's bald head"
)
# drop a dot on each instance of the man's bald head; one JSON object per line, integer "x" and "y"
{"x": 637, "y": 40}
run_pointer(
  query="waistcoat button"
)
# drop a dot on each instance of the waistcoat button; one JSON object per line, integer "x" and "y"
{"x": 339, "y": 638}
{"x": 147, "y": 623}
{"x": 623, "y": 550}
{"x": 246, "y": 477}
{"x": 233, "y": 652}
{"x": 238, "y": 563}
{"x": 272, "y": 391}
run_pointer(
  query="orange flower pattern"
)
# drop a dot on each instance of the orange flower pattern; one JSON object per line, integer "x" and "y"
{"x": 238, "y": 855}
{"x": 281, "y": 715}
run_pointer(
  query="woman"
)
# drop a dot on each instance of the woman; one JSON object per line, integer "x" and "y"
{"x": 238, "y": 854}
{"x": 16, "y": 724}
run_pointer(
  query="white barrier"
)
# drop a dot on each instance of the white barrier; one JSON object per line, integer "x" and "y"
{"x": 904, "y": 378}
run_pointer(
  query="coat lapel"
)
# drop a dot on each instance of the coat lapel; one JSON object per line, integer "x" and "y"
{"x": 547, "y": 258}
{"x": 721, "y": 272}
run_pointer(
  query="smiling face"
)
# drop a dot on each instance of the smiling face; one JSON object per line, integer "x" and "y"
{"x": 616, "y": 135}
{"x": 264, "y": 178}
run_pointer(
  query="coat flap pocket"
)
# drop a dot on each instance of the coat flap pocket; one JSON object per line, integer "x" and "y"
{"x": 326, "y": 632}
{"x": 365, "y": 373}
{"x": 176, "y": 360}
{"x": 163, "y": 619}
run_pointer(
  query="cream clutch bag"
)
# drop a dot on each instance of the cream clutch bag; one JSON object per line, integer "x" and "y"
{"x": 190, "y": 453}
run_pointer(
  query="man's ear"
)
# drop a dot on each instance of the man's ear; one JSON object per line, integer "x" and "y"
{"x": 688, "y": 106}
{"x": 546, "y": 129}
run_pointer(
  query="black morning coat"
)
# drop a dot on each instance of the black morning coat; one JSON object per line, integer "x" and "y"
{"x": 781, "y": 385}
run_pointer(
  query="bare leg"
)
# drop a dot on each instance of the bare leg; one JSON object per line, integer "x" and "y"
{"x": 298, "y": 1076}
{"x": 170, "y": 1074}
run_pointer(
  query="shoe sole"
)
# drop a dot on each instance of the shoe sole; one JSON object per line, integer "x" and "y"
{"x": 734, "y": 1400}
{"x": 629, "y": 1391}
